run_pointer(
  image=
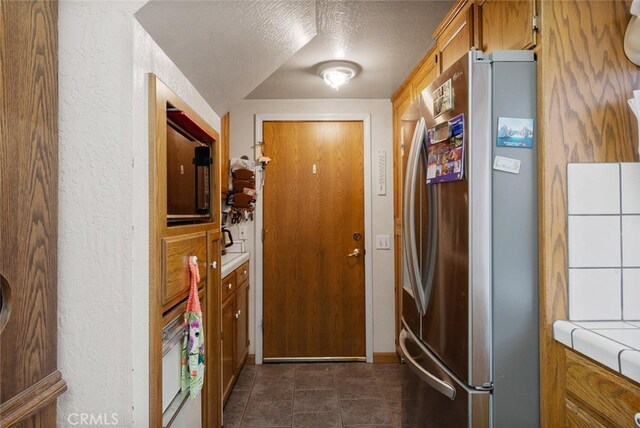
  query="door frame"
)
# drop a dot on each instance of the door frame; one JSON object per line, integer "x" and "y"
{"x": 365, "y": 118}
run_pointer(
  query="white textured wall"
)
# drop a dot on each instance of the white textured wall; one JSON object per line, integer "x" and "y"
{"x": 242, "y": 128}
{"x": 103, "y": 230}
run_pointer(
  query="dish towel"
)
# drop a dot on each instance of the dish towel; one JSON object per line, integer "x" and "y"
{"x": 193, "y": 342}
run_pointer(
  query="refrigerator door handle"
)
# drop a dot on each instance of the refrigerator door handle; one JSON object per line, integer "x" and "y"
{"x": 410, "y": 216}
{"x": 437, "y": 384}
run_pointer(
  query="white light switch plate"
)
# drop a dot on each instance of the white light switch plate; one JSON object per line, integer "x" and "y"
{"x": 242, "y": 232}
{"x": 382, "y": 242}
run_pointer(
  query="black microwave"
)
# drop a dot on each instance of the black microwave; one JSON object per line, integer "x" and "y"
{"x": 188, "y": 172}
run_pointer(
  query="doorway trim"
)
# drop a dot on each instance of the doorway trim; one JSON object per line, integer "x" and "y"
{"x": 365, "y": 118}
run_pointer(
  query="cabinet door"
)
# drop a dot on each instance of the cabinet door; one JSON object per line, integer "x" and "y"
{"x": 507, "y": 24}
{"x": 456, "y": 38}
{"x": 426, "y": 74}
{"x": 242, "y": 325}
{"x": 577, "y": 417}
{"x": 228, "y": 346}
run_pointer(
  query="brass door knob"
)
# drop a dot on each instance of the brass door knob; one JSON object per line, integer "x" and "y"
{"x": 356, "y": 253}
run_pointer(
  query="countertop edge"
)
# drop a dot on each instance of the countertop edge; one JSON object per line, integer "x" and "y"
{"x": 589, "y": 338}
{"x": 233, "y": 264}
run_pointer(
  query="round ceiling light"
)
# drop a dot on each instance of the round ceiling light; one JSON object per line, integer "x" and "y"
{"x": 337, "y": 73}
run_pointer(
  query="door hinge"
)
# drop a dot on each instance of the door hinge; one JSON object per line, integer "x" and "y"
{"x": 263, "y": 233}
{"x": 535, "y": 23}
{"x": 485, "y": 387}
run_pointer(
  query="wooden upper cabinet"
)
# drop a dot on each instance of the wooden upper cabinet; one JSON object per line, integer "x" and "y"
{"x": 455, "y": 34}
{"x": 506, "y": 24}
{"x": 224, "y": 154}
{"x": 425, "y": 74}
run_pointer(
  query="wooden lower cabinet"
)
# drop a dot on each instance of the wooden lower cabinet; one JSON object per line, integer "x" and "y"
{"x": 235, "y": 329}
{"x": 598, "y": 397}
{"x": 242, "y": 326}
{"x": 228, "y": 363}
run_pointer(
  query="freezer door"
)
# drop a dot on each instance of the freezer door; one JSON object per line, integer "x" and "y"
{"x": 431, "y": 396}
{"x": 445, "y": 321}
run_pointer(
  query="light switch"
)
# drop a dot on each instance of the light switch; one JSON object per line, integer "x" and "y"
{"x": 242, "y": 232}
{"x": 382, "y": 242}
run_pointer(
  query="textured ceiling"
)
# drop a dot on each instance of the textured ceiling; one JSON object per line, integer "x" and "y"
{"x": 227, "y": 48}
{"x": 231, "y": 50}
{"x": 386, "y": 38}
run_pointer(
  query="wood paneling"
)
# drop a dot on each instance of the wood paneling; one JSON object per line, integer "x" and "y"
{"x": 312, "y": 289}
{"x": 597, "y": 389}
{"x": 29, "y": 212}
{"x": 505, "y": 25}
{"x": 224, "y": 153}
{"x": 583, "y": 82}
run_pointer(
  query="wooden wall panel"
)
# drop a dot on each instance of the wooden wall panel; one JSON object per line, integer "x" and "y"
{"x": 584, "y": 81}
{"x": 29, "y": 212}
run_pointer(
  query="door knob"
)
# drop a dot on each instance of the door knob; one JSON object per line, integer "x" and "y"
{"x": 356, "y": 253}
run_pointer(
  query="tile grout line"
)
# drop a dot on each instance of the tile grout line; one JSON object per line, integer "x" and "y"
{"x": 621, "y": 250}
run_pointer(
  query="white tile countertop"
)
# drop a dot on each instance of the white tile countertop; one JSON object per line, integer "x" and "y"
{"x": 232, "y": 261}
{"x": 616, "y": 344}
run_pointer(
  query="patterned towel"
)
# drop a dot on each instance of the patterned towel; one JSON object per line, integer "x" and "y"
{"x": 193, "y": 343}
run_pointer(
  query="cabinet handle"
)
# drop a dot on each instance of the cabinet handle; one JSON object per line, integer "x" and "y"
{"x": 637, "y": 419}
{"x": 229, "y": 286}
{"x": 244, "y": 272}
{"x": 214, "y": 265}
{"x": 237, "y": 315}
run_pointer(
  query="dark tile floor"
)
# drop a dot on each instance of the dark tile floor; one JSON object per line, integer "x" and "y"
{"x": 316, "y": 395}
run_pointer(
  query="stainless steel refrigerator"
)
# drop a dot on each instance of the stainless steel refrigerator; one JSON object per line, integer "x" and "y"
{"x": 470, "y": 292}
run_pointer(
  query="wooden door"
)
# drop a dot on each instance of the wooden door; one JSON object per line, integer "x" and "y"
{"x": 242, "y": 325}
{"x": 313, "y": 292}
{"x": 29, "y": 380}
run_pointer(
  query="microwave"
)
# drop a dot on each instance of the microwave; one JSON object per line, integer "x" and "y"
{"x": 188, "y": 175}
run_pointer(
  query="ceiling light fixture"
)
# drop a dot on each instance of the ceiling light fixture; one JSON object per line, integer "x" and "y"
{"x": 337, "y": 73}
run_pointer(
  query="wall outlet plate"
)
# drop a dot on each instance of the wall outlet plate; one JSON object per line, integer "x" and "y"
{"x": 242, "y": 232}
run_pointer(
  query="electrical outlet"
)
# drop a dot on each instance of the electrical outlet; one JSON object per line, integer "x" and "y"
{"x": 382, "y": 242}
{"x": 242, "y": 232}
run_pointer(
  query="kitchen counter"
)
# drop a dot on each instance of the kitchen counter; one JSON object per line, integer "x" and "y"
{"x": 231, "y": 261}
{"x": 615, "y": 344}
